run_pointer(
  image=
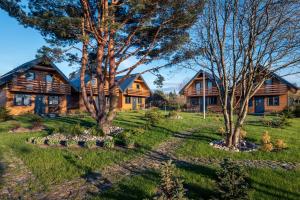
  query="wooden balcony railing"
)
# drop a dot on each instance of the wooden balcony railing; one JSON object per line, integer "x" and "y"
{"x": 135, "y": 92}
{"x": 275, "y": 89}
{"x": 35, "y": 86}
{"x": 208, "y": 92}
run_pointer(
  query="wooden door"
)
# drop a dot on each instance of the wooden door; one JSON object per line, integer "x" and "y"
{"x": 40, "y": 105}
{"x": 259, "y": 104}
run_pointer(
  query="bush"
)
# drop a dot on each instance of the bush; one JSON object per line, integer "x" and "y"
{"x": 243, "y": 134}
{"x": 221, "y": 131}
{"x": 71, "y": 143}
{"x": 39, "y": 141}
{"x": 108, "y": 143}
{"x": 153, "y": 116}
{"x": 267, "y": 147}
{"x": 138, "y": 131}
{"x": 266, "y": 138}
{"x": 90, "y": 144}
{"x": 35, "y": 120}
{"x": 173, "y": 114}
{"x": 4, "y": 114}
{"x": 69, "y": 129}
{"x": 53, "y": 141}
{"x": 170, "y": 186}
{"x": 232, "y": 181}
{"x": 280, "y": 144}
{"x": 278, "y": 122}
{"x": 96, "y": 131}
{"x": 125, "y": 139}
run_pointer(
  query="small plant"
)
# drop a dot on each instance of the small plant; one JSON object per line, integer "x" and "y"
{"x": 125, "y": 139}
{"x": 90, "y": 144}
{"x": 4, "y": 114}
{"x": 266, "y": 138}
{"x": 53, "y": 141}
{"x": 221, "y": 131}
{"x": 153, "y": 116}
{"x": 280, "y": 144}
{"x": 96, "y": 131}
{"x": 108, "y": 143}
{"x": 173, "y": 114}
{"x": 35, "y": 120}
{"x": 243, "y": 134}
{"x": 268, "y": 147}
{"x": 266, "y": 144}
{"x": 39, "y": 141}
{"x": 71, "y": 143}
{"x": 232, "y": 181}
{"x": 170, "y": 186}
{"x": 138, "y": 131}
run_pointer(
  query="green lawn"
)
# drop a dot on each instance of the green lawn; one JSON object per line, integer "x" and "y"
{"x": 56, "y": 165}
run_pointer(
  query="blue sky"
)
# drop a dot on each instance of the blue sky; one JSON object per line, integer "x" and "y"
{"x": 19, "y": 45}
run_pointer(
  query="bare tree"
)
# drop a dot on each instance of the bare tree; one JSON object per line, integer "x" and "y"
{"x": 242, "y": 42}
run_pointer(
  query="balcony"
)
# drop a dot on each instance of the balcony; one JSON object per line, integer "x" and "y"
{"x": 275, "y": 89}
{"x": 135, "y": 92}
{"x": 35, "y": 86}
{"x": 208, "y": 92}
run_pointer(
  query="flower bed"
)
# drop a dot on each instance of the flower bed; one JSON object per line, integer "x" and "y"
{"x": 245, "y": 146}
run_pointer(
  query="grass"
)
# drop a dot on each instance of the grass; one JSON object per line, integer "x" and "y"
{"x": 56, "y": 165}
{"x": 198, "y": 144}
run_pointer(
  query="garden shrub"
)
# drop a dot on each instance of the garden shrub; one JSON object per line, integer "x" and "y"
{"x": 153, "y": 116}
{"x": 221, "y": 131}
{"x": 170, "y": 185}
{"x": 90, "y": 144}
{"x": 108, "y": 143}
{"x": 35, "y": 120}
{"x": 232, "y": 181}
{"x": 125, "y": 139}
{"x": 39, "y": 141}
{"x": 266, "y": 144}
{"x": 71, "y": 143}
{"x": 4, "y": 114}
{"x": 53, "y": 141}
{"x": 96, "y": 131}
{"x": 278, "y": 122}
{"x": 138, "y": 131}
{"x": 280, "y": 144}
{"x": 173, "y": 114}
{"x": 267, "y": 147}
{"x": 266, "y": 138}
{"x": 243, "y": 134}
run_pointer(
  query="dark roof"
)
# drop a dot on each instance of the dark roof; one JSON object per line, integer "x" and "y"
{"x": 26, "y": 66}
{"x": 210, "y": 77}
{"x": 123, "y": 86}
{"x": 284, "y": 81}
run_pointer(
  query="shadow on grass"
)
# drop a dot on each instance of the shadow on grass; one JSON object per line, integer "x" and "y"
{"x": 131, "y": 189}
{"x": 273, "y": 191}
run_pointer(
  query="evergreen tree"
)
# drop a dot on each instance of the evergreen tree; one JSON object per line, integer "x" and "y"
{"x": 107, "y": 33}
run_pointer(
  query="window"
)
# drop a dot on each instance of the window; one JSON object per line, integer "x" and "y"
{"x": 53, "y": 100}
{"x": 128, "y": 100}
{"x": 140, "y": 100}
{"x": 250, "y": 103}
{"x": 273, "y": 101}
{"x": 30, "y": 76}
{"x": 49, "y": 78}
{"x": 138, "y": 86}
{"x": 209, "y": 84}
{"x": 22, "y": 100}
{"x": 198, "y": 86}
{"x": 268, "y": 82}
{"x": 212, "y": 101}
{"x": 93, "y": 82}
{"x": 194, "y": 101}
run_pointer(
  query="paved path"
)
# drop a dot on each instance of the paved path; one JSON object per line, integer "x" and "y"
{"x": 16, "y": 179}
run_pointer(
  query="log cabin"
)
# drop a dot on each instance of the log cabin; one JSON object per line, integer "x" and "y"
{"x": 37, "y": 86}
{"x": 276, "y": 95}
{"x": 194, "y": 93}
{"x": 132, "y": 92}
